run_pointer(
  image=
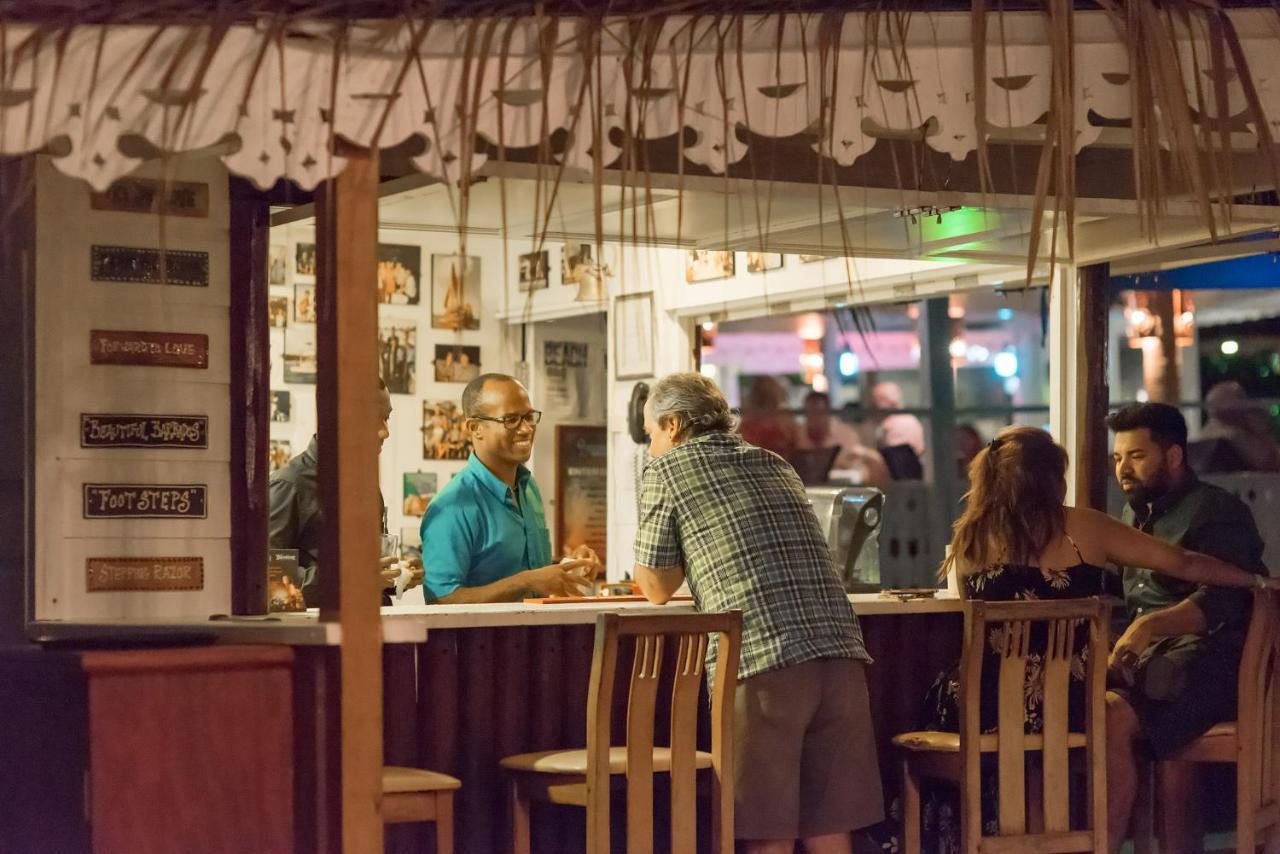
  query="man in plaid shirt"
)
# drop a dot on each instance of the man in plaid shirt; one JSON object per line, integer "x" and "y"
{"x": 734, "y": 520}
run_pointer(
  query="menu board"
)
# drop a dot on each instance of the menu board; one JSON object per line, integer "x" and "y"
{"x": 582, "y": 488}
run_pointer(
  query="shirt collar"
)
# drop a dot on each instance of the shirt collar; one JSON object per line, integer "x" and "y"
{"x": 1169, "y": 500}
{"x": 311, "y": 456}
{"x": 490, "y": 481}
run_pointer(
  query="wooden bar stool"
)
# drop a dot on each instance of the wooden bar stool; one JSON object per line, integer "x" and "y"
{"x": 412, "y": 795}
{"x": 1251, "y": 742}
{"x": 957, "y": 756}
{"x": 583, "y": 777}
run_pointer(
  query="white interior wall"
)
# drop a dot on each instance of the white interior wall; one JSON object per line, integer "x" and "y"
{"x": 403, "y": 451}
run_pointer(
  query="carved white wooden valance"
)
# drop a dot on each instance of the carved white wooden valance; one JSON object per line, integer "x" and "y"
{"x": 274, "y": 99}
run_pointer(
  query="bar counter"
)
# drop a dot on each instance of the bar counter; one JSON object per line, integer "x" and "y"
{"x": 465, "y": 685}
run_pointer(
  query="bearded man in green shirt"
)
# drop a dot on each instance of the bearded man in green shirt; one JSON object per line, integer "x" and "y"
{"x": 1174, "y": 670}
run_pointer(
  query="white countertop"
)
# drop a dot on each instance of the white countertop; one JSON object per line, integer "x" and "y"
{"x": 579, "y": 612}
{"x": 405, "y": 623}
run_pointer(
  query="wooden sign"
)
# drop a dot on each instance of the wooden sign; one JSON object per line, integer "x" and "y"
{"x": 153, "y": 349}
{"x": 143, "y": 431}
{"x": 104, "y": 574}
{"x": 145, "y": 501}
{"x": 149, "y": 266}
{"x": 147, "y": 195}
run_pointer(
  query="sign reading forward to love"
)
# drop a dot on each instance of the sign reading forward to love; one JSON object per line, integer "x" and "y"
{"x": 153, "y": 349}
{"x": 143, "y": 431}
{"x": 144, "y": 501}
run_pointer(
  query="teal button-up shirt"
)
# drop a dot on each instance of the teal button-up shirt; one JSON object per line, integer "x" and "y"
{"x": 475, "y": 533}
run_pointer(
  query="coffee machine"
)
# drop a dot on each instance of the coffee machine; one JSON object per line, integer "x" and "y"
{"x": 850, "y": 518}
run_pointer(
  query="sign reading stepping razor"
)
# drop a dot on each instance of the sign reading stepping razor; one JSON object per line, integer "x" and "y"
{"x": 145, "y": 501}
{"x": 143, "y": 573}
{"x": 143, "y": 431}
{"x": 152, "y": 349}
{"x": 149, "y": 266}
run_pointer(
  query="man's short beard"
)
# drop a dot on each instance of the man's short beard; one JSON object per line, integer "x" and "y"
{"x": 1152, "y": 488}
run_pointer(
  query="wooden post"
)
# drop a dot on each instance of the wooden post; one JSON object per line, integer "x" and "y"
{"x": 250, "y": 394}
{"x": 1078, "y": 390}
{"x": 1093, "y": 470}
{"x": 17, "y": 394}
{"x": 939, "y": 382}
{"x": 347, "y": 409}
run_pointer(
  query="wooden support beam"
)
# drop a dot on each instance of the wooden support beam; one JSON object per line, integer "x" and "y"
{"x": 250, "y": 394}
{"x": 17, "y": 394}
{"x": 1078, "y": 389}
{"x": 1094, "y": 468}
{"x": 347, "y": 409}
{"x": 938, "y": 379}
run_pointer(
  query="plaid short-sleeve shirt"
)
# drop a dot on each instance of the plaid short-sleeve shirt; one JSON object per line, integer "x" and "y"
{"x": 737, "y": 518}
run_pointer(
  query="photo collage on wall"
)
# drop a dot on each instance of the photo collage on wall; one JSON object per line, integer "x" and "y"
{"x": 423, "y": 289}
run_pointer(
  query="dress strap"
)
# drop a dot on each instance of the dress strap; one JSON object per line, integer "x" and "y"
{"x": 1074, "y": 546}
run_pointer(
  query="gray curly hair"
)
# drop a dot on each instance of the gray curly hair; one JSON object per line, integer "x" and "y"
{"x": 695, "y": 401}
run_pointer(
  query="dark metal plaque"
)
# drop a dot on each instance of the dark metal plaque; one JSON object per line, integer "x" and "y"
{"x": 149, "y": 266}
{"x": 143, "y": 431}
{"x": 154, "y": 349}
{"x": 147, "y": 195}
{"x": 103, "y": 574}
{"x": 145, "y": 501}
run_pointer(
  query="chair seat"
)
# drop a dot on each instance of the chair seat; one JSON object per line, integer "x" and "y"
{"x": 397, "y": 779}
{"x": 1218, "y": 744}
{"x": 575, "y": 761}
{"x": 931, "y": 741}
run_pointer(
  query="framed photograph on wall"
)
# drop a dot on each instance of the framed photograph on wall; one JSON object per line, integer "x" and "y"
{"x": 456, "y": 363}
{"x": 304, "y": 259}
{"x": 534, "y": 271}
{"x": 277, "y": 261}
{"x": 278, "y": 312}
{"x": 455, "y": 292}
{"x": 398, "y": 354}
{"x": 281, "y": 406}
{"x": 633, "y": 336}
{"x": 399, "y": 274}
{"x": 702, "y": 265}
{"x": 758, "y": 262}
{"x": 304, "y": 303}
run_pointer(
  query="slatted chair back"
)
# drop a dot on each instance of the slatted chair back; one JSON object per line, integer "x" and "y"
{"x": 675, "y": 642}
{"x": 1257, "y": 777}
{"x": 1007, "y": 628}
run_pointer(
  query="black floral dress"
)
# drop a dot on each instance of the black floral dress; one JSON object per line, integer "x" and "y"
{"x": 1005, "y": 582}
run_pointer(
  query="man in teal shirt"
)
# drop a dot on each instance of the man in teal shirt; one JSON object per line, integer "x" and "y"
{"x": 484, "y": 536}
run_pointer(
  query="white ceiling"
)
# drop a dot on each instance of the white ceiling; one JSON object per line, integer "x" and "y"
{"x": 774, "y": 216}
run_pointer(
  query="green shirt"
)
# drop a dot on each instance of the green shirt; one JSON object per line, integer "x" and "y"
{"x": 1203, "y": 518}
{"x": 738, "y": 520}
{"x": 479, "y": 530}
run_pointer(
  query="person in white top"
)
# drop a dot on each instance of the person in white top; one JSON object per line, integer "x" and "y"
{"x": 822, "y": 430}
{"x": 899, "y": 428}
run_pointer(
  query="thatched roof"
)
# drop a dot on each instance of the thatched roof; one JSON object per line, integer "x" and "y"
{"x": 269, "y": 86}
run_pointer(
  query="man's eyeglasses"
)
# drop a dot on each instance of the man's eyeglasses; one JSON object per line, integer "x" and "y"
{"x": 513, "y": 422}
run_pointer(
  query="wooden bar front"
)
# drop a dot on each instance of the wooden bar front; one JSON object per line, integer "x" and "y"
{"x": 469, "y": 696}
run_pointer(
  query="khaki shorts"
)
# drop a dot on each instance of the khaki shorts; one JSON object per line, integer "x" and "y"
{"x": 805, "y": 755}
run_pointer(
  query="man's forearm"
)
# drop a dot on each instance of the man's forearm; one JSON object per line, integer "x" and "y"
{"x": 1185, "y": 618}
{"x": 511, "y": 589}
